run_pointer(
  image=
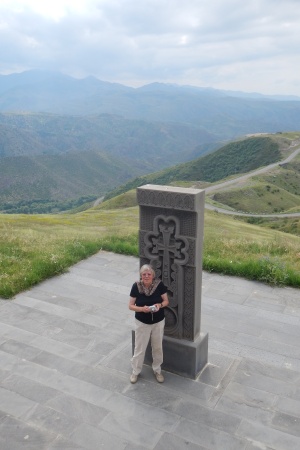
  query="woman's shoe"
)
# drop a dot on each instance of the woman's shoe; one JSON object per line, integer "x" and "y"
{"x": 133, "y": 378}
{"x": 159, "y": 377}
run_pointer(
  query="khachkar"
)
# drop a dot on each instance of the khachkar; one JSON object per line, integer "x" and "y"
{"x": 171, "y": 240}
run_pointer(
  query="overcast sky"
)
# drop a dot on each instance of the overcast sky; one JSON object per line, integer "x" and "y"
{"x": 247, "y": 45}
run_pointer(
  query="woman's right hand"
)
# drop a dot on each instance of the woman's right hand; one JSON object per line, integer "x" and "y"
{"x": 145, "y": 309}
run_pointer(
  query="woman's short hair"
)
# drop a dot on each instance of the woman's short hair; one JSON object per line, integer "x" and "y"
{"x": 147, "y": 267}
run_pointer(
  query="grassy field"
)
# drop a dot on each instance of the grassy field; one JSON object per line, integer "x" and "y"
{"x": 36, "y": 247}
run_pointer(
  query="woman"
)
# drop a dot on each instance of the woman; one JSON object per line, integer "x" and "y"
{"x": 148, "y": 298}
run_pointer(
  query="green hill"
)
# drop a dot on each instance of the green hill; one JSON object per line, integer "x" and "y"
{"x": 277, "y": 191}
{"x": 47, "y": 183}
{"x": 234, "y": 158}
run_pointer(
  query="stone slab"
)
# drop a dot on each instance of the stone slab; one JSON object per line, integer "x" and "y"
{"x": 185, "y": 358}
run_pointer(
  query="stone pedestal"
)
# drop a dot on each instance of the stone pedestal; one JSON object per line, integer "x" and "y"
{"x": 182, "y": 357}
{"x": 171, "y": 240}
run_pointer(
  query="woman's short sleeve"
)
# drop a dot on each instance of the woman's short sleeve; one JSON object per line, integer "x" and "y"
{"x": 134, "y": 291}
{"x": 162, "y": 288}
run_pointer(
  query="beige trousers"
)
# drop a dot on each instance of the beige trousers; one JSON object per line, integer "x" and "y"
{"x": 143, "y": 333}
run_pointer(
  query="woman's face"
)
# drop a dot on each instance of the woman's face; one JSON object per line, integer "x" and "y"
{"x": 147, "y": 277}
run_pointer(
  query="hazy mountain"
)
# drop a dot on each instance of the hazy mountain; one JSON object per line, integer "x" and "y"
{"x": 221, "y": 113}
{"x": 156, "y": 144}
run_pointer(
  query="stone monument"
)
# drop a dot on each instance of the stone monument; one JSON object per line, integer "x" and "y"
{"x": 171, "y": 240}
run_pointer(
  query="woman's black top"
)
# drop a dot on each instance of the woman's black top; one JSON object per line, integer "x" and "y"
{"x": 149, "y": 300}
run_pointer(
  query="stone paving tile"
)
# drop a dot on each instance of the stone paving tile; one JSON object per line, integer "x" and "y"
{"x": 228, "y": 309}
{"x": 31, "y": 325}
{"x": 118, "y": 360}
{"x": 53, "y": 421}
{"x": 130, "y": 429}
{"x": 4, "y": 373}
{"x": 104, "y": 378}
{"x": 292, "y": 310}
{"x": 150, "y": 416}
{"x": 258, "y": 354}
{"x": 182, "y": 386}
{"x": 80, "y": 410}
{"x": 288, "y": 406}
{"x": 287, "y": 423}
{"x": 212, "y": 375}
{"x": 279, "y": 336}
{"x": 58, "y": 363}
{"x": 66, "y": 351}
{"x": 257, "y": 446}
{"x": 261, "y": 302}
{"x": 3, "y": 416}
{"x": 216, "y": 328}
{"x": 247, "y": 402}
{"x": 12, "y": 332}
{"x": 220, "y": 360}
{"x": 278, "y": 373}
{"x": 268, "y": 384}
{"x": 52, "y": 378}
{"x": 73, "y": 339}
{"x": 63, "y": 444}
{"x": 32, "y": 390}
{"x": 209, "y": 437}
{"x": 109, "y": 312}
{"x": 33, "y": 312}
{"x": 170, "y": 442}
{"x": 14, "y": 404}
{"x": 241, "y": 394}
{"x": 247, "y": 411}
{"x": 17, "y": 435}
{"x": 207, "y": 416}
{"x": 229, "y": 297}
{"x": 268, "y": 436}
{"x": 228, "y": 328}
{"x": 294, "y": 330}
{"x": 59, "y": 300}
{"x": 132, "y": 446}
{"x": 19, "y": 349}
{"x": 102, "y": 344}
{"x": 277, "y": 317}
{"x": 70, "y": 289}
{"x": 158, "y": 397}
{"x": 292, "y": 363}
{"x": 90, "y": 437}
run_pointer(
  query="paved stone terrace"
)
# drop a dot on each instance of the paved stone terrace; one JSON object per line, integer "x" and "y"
{"x": 65, "y": 350}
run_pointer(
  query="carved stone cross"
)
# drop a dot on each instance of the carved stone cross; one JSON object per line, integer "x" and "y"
{"x": 166, "y": 243}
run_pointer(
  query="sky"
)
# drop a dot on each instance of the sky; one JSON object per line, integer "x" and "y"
{"x": 240, "y": 45}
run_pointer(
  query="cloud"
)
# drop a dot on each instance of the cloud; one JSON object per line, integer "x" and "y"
{"x": 228, "y": 44}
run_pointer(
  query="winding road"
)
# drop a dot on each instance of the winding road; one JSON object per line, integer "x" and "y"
{"x": 249, "y": 175}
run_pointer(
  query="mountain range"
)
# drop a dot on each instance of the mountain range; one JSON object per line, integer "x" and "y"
{"x": 63, "y": 138}
{"x": 225, "y": 114}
